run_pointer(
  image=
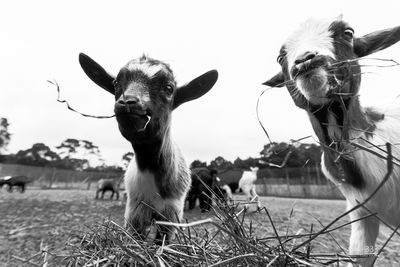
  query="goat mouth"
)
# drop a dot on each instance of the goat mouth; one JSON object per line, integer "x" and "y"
{"x": 133, "y": 121}
{"x": 308, "y": 68}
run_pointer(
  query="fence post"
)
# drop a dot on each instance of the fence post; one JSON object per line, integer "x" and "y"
{"x": 287, "y": 181}
{"x": 265, "y": 186}
{"x": 318, "y": 174}
{"x": 53, "y": 174}
{"x": 89, "y": 181}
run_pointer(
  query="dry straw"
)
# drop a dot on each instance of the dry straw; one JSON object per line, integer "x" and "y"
{"x": 225, "y": 239}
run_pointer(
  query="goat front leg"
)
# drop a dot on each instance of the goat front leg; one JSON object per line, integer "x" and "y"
{"x": 138, "y": 217}
{"x": 363, "y": 237}
{"x": 171, "y": 213}
{"x": 255, "y": 196}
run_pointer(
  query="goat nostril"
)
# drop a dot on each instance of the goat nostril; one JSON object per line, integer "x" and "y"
{"x": 306, "y": 56}
{"x": 132, "y": 101}
{"x": 128, "y": 101}
{"x": 310, "y": 56}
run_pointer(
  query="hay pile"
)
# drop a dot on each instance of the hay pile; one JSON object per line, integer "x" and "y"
{"x": 225, "y": 239}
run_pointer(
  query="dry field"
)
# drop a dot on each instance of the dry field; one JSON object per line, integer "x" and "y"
{"x": 53, "y": 218}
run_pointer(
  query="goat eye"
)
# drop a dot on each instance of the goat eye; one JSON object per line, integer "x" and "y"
{"x": 279, "y": 59}
{"x": 169, "y": 89}
{"x": 349, "y": 33}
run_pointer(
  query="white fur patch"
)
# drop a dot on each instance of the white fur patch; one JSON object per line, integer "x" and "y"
{"x": 312, "y": 35}
{"x": 141, "y": 187}
{"x": 373, "y": 168}
{"x": 314, "y": 88}
{"x": 246, "y": 182}
{"x": 148, "y": 69}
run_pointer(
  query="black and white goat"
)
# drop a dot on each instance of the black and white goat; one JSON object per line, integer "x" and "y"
{"x": 203, "y": 180}
{"x": 157, "y": 179}
{"x": 322, "y": 74}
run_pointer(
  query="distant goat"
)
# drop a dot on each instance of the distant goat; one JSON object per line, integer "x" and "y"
{"x": 223, "y": 190}
{"x": 104, "y": 185}
{"x": 203, "y": 179}
{"x": 247, "y": 185}
{"x": 157, "y": 179}
{"x": 17, "y": 181}
{"x": 322, "y": 74}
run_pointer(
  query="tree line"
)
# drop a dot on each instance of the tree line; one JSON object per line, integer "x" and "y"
{"x": 78, "y": 154}
{"x": 72, "y": 154}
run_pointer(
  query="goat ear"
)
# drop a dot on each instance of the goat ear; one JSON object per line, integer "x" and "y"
{"x": 276, "y": 81}
{"x": 376, "y": 41}
{"x": 96, "y": 73}
{"x": 196, "y": 88}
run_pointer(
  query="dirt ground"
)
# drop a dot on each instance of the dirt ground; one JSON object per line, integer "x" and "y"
{"x": 53, "y": 217}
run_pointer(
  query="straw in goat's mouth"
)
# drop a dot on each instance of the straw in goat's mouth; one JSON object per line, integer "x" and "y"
{"x": 145, "y": 126}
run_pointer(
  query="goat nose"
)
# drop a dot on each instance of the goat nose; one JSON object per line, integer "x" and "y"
{"x": 306, "y": 56}
{"x": 131, "y": 100}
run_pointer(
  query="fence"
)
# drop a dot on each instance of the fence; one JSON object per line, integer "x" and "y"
{"x": 322, "y": 191}
{"x": 306, "y": 182}
{"x": 299, "y": 183}
{"x": 52, "y": 177}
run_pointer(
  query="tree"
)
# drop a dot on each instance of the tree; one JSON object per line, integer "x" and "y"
{"x": 106, "y": 169}
{"x": 5, "y": 135}
{"x": 38, "y": 155}
{"x": 221, "y": 164}
{"x": 298, "y": 155}
{"x": 198, "y": 164}
{"x": 79, "y": 154}
{"x": 245, "y": 164}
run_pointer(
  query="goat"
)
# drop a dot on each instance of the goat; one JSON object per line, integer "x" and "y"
{"x": 104, "y": 185}
{"x": 246, "y": 184}
{"x": 203, "y": 180}
{"x": 321, "y": 72}
{"x": 157, "y": 179}
{"x": 18, "y": 181}
{"x": 222, "y": 191}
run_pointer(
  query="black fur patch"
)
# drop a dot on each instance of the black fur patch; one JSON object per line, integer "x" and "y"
{"x": 148, "y": 157}
{"x": 344, "y": 168}
{"x": 374, "y": 115}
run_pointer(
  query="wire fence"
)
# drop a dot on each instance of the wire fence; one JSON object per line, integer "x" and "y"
{"x": 288, "y": 182}
{"x": 46, "y": 177}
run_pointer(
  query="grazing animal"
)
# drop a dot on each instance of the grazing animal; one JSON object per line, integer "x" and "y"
{"x": 321, "y": 71}
{"x": 18, "y": 181}
{"x": 223, "y": 191}
{"x": 104, "y": 185}
{"x": 201, "y": 189}
{"x": 157, "y": 179}
{"x": 246, "y": 184}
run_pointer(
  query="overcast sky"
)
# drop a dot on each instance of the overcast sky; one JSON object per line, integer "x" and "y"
{"x": 41, "y": 40}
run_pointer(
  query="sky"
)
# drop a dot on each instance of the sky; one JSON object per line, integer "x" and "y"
{"x": 41, "y": 40}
